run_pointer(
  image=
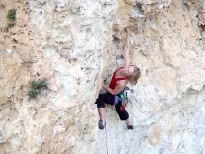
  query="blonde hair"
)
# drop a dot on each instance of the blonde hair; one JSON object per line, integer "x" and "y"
{"x": 133, "y": 78}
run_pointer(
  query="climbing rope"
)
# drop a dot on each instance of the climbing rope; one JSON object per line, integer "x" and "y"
{"x": 106, "y": 138}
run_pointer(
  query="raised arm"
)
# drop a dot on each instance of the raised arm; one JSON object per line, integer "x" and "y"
{"x": 127, "y": 48}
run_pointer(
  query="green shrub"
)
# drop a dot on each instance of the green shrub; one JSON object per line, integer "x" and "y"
{"x": 36, "y": 88}
{"x": 32, "y": 94}
{"x": 10, "y": 25}
{"x": 38, "y": 84}
{"x": 11, "y": 15}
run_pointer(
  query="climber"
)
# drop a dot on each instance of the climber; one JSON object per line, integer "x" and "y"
{"x": 121, "y": 77}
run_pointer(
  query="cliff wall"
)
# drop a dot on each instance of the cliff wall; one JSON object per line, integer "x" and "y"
{"x": 71, "y": 44}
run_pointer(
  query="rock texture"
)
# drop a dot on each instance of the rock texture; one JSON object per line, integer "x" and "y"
{"x": 71, "y": 44}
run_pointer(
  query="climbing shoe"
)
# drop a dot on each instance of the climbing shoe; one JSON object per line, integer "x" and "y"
{"x": 100, "y": 124}
{"x": 130, "y": 127}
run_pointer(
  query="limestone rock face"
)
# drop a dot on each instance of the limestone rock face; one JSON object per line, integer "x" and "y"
{"x": 71, "y": 44}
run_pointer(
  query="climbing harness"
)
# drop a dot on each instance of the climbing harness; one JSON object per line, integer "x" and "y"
{"x": 123, "y": 97}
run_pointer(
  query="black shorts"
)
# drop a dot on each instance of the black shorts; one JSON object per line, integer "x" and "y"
{"x": 110, "y": 99}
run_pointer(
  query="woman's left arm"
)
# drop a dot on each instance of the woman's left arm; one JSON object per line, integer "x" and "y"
{"x": 127, "y": 48}
{"x": 115, "y": 91}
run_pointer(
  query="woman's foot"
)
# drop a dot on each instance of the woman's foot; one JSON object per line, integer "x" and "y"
{"x": 100, "y": 124}
{"x": 130, "y": 127}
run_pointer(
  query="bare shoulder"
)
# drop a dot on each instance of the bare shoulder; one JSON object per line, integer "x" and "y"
{"x": 121, "y": 72}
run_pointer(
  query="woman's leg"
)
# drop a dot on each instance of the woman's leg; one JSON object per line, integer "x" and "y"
{"x": 124, "y": 115}
{"x": 128, "y": 122}
{"x": 101, "y": 101}
{"x": 129, "y": 125}
{"x": 101, "y": 112}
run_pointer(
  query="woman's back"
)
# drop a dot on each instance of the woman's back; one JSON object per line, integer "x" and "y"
{"x": 116, "y": 78}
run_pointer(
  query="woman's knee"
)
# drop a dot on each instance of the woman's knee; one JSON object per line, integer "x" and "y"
{"x": 100, "y": 104}
{"x": 104, "y": 99}
{"x": 124, "y": 115}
